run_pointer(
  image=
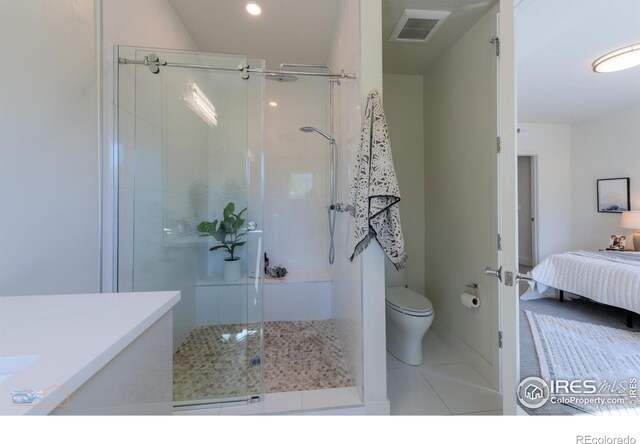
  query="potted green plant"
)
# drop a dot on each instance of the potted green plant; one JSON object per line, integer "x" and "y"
{"x": 227, "y": 232}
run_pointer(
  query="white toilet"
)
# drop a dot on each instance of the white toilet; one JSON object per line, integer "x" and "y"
{"x": 409, "y": 316}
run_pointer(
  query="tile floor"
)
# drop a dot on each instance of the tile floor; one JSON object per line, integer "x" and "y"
{"x": 442, "y": 385}
{"x": 213, "y": 362}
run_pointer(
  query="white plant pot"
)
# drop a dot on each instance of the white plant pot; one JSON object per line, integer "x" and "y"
{"x": 232, "y": 270}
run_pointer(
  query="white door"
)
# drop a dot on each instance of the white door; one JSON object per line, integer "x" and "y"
{"x": 507, "y": 209}
{"x": 471, "y": 197}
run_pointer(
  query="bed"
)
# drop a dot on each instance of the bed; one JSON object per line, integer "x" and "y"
{"x": 608, "y": 277}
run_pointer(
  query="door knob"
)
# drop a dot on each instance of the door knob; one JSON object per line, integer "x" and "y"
{"x": 494, "y": 273}
{"x": 511, "y": 279}
{"x": 251, "y": 225}
{"x": 523, "y": 277}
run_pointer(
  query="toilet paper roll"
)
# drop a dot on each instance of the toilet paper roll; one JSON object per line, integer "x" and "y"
{"x": 470, "y": 300}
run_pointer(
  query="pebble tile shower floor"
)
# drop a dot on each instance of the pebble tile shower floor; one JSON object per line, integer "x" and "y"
{"x": 213, "y": 361}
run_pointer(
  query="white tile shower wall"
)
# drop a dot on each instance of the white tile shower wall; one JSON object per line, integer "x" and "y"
{"x": 297, "y": 301}
{"x": 346, "y": 305}
{"x": 296, "y": 174}
{"x": 229, "y": 165}
{"x": 283, "y": 301}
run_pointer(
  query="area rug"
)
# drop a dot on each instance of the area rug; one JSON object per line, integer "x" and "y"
{"x": 571, "y": 350}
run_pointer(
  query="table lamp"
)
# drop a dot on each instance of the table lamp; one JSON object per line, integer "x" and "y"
{"x": 631, "y": 219}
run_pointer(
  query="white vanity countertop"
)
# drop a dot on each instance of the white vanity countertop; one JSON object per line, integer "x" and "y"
{"x": 71, "y": 337}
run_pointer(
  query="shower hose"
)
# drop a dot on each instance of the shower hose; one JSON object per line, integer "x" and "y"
{"x": 331, "y": 213}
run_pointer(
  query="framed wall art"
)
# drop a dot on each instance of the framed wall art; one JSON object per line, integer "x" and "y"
{"x": 613, "y": 195}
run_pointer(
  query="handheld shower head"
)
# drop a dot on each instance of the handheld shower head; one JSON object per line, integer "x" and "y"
{"x": 310, "y": 129}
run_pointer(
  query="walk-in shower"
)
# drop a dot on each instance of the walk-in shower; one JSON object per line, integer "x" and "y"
{"x": 191, "y": 134}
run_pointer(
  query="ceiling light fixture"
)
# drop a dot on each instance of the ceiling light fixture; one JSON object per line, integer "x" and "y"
{"x": 273, "y": 104}
{"x": 623, "y": 58}
{"x": 253, "y": 8}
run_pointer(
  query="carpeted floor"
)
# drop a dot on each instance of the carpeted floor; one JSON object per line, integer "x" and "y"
{"x": 580, "y": 310}
{"x": 215, "y": 361}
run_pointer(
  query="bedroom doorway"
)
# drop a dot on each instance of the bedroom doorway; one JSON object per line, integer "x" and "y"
{"x": 578, "y": 319}
{"x": 527, "y": 210}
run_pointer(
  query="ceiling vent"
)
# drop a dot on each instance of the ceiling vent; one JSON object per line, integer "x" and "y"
{"x": 417, "y": 26}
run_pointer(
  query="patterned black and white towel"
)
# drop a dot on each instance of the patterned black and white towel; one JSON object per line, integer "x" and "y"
{"x": 374, "y": 193}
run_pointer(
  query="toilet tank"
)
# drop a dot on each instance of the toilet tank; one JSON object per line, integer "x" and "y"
{"x": 393, "y": 277}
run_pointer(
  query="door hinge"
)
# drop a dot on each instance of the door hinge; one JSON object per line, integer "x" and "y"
{"x": 500, "y": 343}
{"x": 499, "y": 143}
{"x": 499, "y": 242}
{"x": 496, "y": 41}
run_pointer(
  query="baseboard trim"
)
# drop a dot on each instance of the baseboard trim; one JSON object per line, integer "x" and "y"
{"x": 525, "y": 261}
{"x": 469, "y": 355}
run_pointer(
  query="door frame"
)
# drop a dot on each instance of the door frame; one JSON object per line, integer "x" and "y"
{"x": 534, "y": 210}
{"x": 509, "y": 307}
{"x": 533, "y": 167}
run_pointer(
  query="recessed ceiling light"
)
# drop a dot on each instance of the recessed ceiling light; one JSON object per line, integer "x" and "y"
{"x": 273, "y": 104}
{"x": 253, "y": 8}
{"x": 623, "y": 58}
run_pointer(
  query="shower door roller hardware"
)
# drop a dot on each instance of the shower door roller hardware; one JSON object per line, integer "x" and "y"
{"x": 154, "y": 63}
{"x": 252, "y": 225}
{"x": 244, "y": 71}
{"x": 494, "y": 273}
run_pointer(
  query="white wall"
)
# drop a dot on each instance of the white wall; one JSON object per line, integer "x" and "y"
{"x": 550, "y": 144}
{"x": 297, "y": 174}
{"x": 49, "y": 239}
{"x": 460, "y": 127}
{"x": 525, "y": 232}
{"x": 403, "y": 106}
{"x": 602, "y": 148}
{"x": 61, "y": 102}
{"x": 373, "y": 283}
{"x": 346, "y": 284}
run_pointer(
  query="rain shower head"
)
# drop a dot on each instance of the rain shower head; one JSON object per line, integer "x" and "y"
{"x": 310, "y": 129}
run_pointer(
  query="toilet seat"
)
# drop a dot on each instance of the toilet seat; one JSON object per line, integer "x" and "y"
{"x": 408, "y": 302}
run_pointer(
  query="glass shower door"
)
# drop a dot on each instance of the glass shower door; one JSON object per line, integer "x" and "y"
{"x": 190, "y": 181}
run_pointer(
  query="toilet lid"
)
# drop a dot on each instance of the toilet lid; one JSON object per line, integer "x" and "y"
{"x": 408, "y": 300}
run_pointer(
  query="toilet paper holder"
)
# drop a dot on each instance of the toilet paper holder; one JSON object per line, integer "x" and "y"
{"x": 471, "y": 300}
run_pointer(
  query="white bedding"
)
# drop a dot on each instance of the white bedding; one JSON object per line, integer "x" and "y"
{"x": 612, "y": 278}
